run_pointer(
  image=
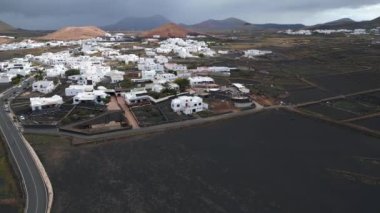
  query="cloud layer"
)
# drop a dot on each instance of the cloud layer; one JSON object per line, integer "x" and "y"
{"x": 51, "y": 14}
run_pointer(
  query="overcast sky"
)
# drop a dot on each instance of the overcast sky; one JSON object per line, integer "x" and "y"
{"x": 52, "y": 14}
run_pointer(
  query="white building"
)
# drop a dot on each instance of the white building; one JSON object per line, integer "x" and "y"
{"x": 131, "y": 58}
{"x": 116, "y": 76}
{"x": 254, "y": 53}
{"x": 6, "y": 78}
{"x": 44, "y": 87}
{"x": 359, "y": 32}
{"x": 74, "y": 90}
{"x": 20, "y": 68}
{"x": 57, "y": 70}
{"x": 149, "y": 64}
{"x": 165, "y": 76}
{"x": 39, "y": 103}
{"x": 161, "y": 59}
{"x": 176, "y": 67}
{"x": 148, "y": 75}
{"x": 241, "y": 88}
{"x": 136, "y": 96}
{"x": 159, "y": 87}
{"x": 188, "y": 104}
{"x": 200, "y": 81}
{"x": 95, "y": 96}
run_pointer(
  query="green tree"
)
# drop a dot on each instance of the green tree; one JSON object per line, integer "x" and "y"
{"x": 168, "y": 92}
{"x": 183, "y": 83}
{"x": 72, "y": 72}
{"x": 16, "y": 80}
{"x": 126, "y": 83}
{"x": 39, "y": 76}
{"x": 106, "y": 100}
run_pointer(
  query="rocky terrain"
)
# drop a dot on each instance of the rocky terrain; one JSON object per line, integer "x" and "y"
{"x": 75, "y": 33}
{"x": 168, "y": 31}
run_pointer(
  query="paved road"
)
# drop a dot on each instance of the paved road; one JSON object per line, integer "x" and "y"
{"x": 35, "y": 189}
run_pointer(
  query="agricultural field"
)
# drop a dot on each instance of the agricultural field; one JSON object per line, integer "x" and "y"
{"x": 207, "y": 169}
{"x": 302, "y": 68}
{"x": 353, "y": 107}
{"x": 82, "y": 112}
{"x": 150, "y": 115}
{"x": 372, "y": 123}
{"x": 349, "y": 82}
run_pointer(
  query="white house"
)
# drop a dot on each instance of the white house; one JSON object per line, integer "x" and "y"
{"x": 241, "y": 88}
{"x": 6, "y": 78}
{"x": 159, "y": 87}
{"x": 161, "y": 59}
{"x": 200, "y": 81}
{"x": 95, "y": 96}
{"x": 57, "y": 70}
{"x": 165, "y": 76}
{"x": 149, "y": 64}
{"x": 22, "y": 69}
{"x": 188, "y": 104}
{"x": 148, "y": 75}
{"x": 74, "y": 90}
{"x": 175, "y": 67}
{"x": 131, "y": 58}
{"x": 116, "y": 76}
{"x": 136, "y": 96}
{"x": 38, "y": 103}
{"x": 44, "y": 87}
{"x": 253, "y": 53}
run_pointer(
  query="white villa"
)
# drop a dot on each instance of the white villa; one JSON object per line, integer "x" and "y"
{"x": 175, "y": 67}
{"x": 241, "y": 88}
{"x": 6, "y": 78}
{"x": 44, "y": 87}
{"x": 39, "y": 103}
{"x": 74, "y": 90}
{"x": 148, "y": 75}
{"x": 188, "y": 104}
{"x": 136, "y": 96}
{"x": 157, "y": 87}
{"x": 95, "y": 96}
{"x": 57, "y": 70}
{"x": 200, "y": 81}
{"x": 253, "y": 53}
{"x": 116, "y": 76}
{"x": 20, "y": 69}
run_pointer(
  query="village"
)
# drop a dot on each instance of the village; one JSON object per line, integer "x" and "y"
{"x": 156, "y": 113}
{"x": 75, "y": 88}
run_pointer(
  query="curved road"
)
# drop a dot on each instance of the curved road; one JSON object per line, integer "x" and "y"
{"x": 36, "y": 193}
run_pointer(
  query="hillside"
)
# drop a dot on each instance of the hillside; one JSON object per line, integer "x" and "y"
{"x": 219, "y": 25}
{"x": 348, "y": 24}
{"x": 74, "y": 33}
{"x": 138, "y": 23}
{"x": 278, "y": 26}
{"x": 4, "y": 27}
{"x": 168, "y": 31}
{"x": 238, "y": 24}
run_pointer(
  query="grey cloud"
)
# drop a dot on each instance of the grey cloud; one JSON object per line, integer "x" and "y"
{"x": 50, "y": 14}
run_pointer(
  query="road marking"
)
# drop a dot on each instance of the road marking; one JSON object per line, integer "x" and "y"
{"x": 15, "y": 159}
{"x": 26, "y": 163}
